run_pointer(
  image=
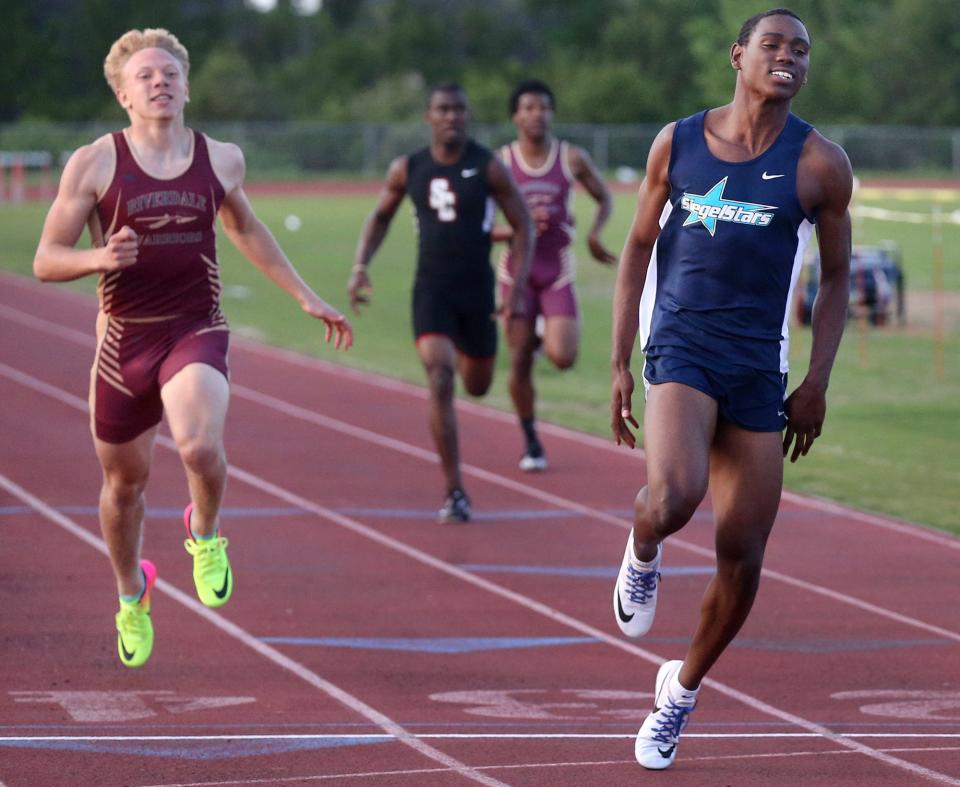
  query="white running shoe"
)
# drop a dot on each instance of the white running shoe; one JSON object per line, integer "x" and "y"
{"x": 656, "y": 745}
{"x": 635, "y": 594}
{"x": 533, "y": 460}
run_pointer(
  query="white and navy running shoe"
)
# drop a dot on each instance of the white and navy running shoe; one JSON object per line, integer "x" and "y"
{"x": 456, "y": 508}
{"x": 635, "y": 594}
{"x": 656, "y": 745}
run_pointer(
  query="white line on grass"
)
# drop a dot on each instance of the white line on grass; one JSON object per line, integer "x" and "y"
{"x": 427, "y": 559}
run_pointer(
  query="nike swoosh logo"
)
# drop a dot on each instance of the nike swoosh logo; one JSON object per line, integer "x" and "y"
{"x": 127, "y": 655}
{"x": 623, "y": 615}
{"x": 667, "y": 753}
{"x": 780, "y": 412}
{"x": 468, "y": 173}
{"x": 767, "y": 176}
{"x": 223, "y": 591}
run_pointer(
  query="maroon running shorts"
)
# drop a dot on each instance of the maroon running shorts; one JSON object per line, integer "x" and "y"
{"x": 136, "y": 359}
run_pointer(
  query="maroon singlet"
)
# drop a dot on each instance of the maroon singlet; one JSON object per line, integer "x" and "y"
{"x": 163, "y": 312}
{"x": 176, "y": 271}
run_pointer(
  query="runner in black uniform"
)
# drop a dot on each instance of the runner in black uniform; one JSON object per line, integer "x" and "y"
{"x": 455, "y": 185}
{"x": 453, "y": 293}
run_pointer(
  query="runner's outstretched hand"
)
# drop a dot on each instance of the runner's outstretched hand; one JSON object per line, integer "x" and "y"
{"x": 805, "y": 409}
{"x": 334, "y": 320}
{"x": 600, "y": 253}
{"x": 621, "y": 415}
{"x": 359, "y": 288}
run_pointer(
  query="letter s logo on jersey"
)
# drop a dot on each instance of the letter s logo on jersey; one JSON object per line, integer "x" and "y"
{"x": 709, "y": 208}
{"x": 443, "y": 200}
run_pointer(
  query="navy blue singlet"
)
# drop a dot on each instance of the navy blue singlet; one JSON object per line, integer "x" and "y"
{"x": 728, "y": 255}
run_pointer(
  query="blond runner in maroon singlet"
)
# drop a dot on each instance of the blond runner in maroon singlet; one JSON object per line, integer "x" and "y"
{"x": 150, "y": 196}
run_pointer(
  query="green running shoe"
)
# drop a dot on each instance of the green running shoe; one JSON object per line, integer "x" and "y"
{"x": 211, "y": 567}
{"x": 134, "y": 627}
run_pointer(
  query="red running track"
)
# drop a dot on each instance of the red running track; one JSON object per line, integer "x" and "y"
{"x": 365, "y": 644}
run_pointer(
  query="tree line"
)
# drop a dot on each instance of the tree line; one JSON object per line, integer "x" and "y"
{"x": 890, "y": 62}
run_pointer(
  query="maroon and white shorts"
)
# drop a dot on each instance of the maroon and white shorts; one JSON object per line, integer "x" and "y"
{"x": 135, "y": 359}
{"x": 554, "y": 300}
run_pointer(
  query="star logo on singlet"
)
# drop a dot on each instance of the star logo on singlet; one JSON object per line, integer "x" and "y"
{"x": 707, "y": 209}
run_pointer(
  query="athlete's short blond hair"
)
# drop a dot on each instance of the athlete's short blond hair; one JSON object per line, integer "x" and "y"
{"x": 132, "y": 42}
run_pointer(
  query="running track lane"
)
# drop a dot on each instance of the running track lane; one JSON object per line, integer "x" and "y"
{"x": 348, "y": 451}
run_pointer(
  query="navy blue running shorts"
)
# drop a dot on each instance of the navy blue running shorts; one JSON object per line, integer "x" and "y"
{"x": 749, "y": 398}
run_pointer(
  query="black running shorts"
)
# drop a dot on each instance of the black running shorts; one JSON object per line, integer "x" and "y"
{"x": 463, "y": 313}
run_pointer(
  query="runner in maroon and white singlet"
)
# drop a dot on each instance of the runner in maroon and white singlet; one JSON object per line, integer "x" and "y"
{"x": 150, "y": 195}
{"x": 545, "y": 170}
{"x": 163, "y": 313}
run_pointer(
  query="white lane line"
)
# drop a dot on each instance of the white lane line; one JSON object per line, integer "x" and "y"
{"x": 273, "y": 655}
{"x": 533, "y": 605}
{"x": 909, "y": 529}
{"x": 275, "y": 782}
{"x": 771, "y": 755}
{"x": 470, "y": 736}
{"x": 530, "y": 766}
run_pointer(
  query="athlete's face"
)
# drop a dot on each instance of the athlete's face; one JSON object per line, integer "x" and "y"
{"x": 447, "y": 115}
{"x": 153, "y": 84}
{"x": 775, "y": 60}
{"x": 534, "y": 115}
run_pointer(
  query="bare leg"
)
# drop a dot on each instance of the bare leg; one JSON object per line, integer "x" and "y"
{"x": 522, "y": 345}
{"x": 438, "y": 356}
{"x": 561, "y": 341}
{"x": 126, "y": 468}
{"x": 746, "y": 479}
{"x": 195, "y": 400}
{"x": 476, "y": 373}
{"x": 679, "y": 424}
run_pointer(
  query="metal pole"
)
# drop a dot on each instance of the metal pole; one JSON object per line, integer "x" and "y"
{"x": 939, "y": 305}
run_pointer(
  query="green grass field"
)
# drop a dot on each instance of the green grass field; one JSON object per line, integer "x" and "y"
{"x": 891, "y": 443}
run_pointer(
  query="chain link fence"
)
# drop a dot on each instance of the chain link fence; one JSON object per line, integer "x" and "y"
{"x": 302, "y": 150}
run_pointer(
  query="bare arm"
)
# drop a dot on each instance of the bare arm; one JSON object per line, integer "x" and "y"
{"x": 85, "y": 177}
{"x": 634, "y": 261}
{"x": 255, "y": 242}
{"x": 583, "y": 169}
{"x": 375, "y": 230}
{"x": 505, "y": 194}
{"x": 824, "y": 183}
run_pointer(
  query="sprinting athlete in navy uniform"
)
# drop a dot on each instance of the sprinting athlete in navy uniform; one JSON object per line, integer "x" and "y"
{"x": 455, "y": 186}
{"x": 729, "y": 200}
{"x": 545, "y": 170}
